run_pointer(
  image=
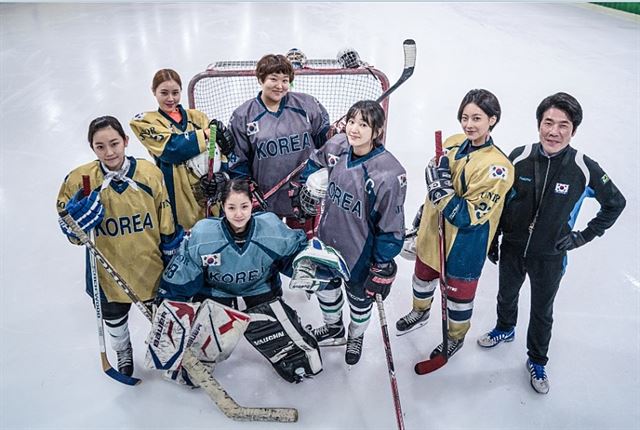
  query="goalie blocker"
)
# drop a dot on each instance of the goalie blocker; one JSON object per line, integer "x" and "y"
{"x": 276, "y": 332}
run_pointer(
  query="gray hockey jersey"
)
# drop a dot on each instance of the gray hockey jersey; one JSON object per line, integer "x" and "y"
{"x": 269, "y": 145}
{"x": 363, "y": 214}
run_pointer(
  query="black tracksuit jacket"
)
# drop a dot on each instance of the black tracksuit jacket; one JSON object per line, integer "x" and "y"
{"x": 546, "y": 196}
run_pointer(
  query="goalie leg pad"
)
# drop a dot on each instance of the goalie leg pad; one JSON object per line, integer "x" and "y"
{"x": 276, "y": 332}
{"x": 216, "y": 332}
{"x": 169, "y": 334}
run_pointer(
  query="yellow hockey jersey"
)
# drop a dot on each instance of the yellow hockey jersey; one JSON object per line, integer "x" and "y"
{"x": 172, "y": 145}
{"x": 134, "y": 223}
{"x": 481, "y": 179}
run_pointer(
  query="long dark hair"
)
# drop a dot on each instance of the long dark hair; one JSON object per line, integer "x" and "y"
{"x": 236, "y": 186}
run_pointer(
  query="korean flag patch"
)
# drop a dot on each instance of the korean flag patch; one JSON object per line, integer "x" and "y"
{"x": 403, "y": 180}
{"x": 498, "y": 172}
{"x": 211, "y": 260}
{"x": 252, "y": 128}
{"x": 561, "y": 188}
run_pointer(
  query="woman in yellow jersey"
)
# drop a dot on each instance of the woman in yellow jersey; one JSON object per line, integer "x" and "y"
{"x": 134, "y": 227}
{"x": 178, "y": 138}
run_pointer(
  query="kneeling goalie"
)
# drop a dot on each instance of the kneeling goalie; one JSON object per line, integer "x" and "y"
{"x": 238, "y": 255}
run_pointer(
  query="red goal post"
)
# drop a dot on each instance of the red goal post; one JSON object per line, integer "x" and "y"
{"x": 225, "y": 85}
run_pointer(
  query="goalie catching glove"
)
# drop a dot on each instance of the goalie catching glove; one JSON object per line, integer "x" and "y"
{"x": 438, "y": 179}
{"x": 316, "y": 266}
{"x": 88, "y": 212}
{"x": 380, "y": 278}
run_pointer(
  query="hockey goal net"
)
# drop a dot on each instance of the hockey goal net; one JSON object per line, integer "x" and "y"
{"x": 225, "y": 85}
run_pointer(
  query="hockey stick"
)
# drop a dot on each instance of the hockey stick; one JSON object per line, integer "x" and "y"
{"x": 409, "y": 47}
{"x": 212, "y": 154}
{"x": 196, "y": 370}
{"x": 428, "y": 366}
{"x": 390, "y": 366}
{"x": 106, "y": 366}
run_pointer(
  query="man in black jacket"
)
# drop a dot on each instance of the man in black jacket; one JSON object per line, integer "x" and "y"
{"x": 551, "y": 181}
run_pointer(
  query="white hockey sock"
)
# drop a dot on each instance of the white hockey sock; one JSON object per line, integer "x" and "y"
{"x": 119, "y": 332}
{"x": 360, "y": 319}
{"x": 331, "y": 302}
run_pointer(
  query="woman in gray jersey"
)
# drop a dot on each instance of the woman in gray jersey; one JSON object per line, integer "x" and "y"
{"x": 275, "y": 133}
{"x": 363, "y": 219}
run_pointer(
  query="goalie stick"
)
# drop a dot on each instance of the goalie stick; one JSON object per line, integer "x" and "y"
{"x": 409, "y": 47}
{"x": 390, "y": 365}
{"x": 196, "y": 370}
{"x": 432, "y": 364}
{"x": 106, "y": 366}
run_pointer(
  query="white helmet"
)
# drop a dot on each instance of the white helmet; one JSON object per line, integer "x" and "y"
{"x": 297, "y": 58}
{"x": 349, "y": 58}
{"x": 314, "y": 191}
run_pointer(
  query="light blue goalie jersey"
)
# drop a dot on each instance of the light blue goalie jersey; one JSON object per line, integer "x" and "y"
{"x": 270, "y": 145}
{"x": 363, "y": 215}
{"x": 209, "y": 261}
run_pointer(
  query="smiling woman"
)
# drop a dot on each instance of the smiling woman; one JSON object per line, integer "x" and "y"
{"x": 124, "y": 199}
{"x": 178, "y": 140}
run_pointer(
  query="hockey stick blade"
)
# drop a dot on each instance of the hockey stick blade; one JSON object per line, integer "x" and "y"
{"x": 409, "y": 47}
{"x": 431, "y": 365}
{"x": 225, "y": 402}
{"x": 114, "y": 374}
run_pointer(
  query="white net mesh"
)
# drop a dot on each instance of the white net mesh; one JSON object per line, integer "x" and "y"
{"x": 225, "y": 85}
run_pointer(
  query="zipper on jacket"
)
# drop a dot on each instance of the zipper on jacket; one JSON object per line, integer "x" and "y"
{"x": 532, "y": 226}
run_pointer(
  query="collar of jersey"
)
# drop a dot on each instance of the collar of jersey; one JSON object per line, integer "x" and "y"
{"x": 466, "y": 146}
{"x": 283, "y": 103}
{"x": 120, "y": 187}
{"x": 373, "y": 153}
{"x": 182, "y": 125}
{"x": 227, "y": 233}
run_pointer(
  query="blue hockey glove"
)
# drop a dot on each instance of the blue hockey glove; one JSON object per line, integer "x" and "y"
{"x": 87, "y": 211}
{"x": 169, "y": 245}
{"x": 573, "y": 240}
{"x": 439, "y": 184}
{"x": 380, "y": 278}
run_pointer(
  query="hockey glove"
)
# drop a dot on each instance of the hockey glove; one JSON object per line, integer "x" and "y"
{"x": 408, "y": 251}
{"x": 169, "y": 245}
{"x": 224, "y": 138}
{"x": 438, "y": 179}
{"x": 212, "y": 188}
{"x": 87, "y": 211}
{"x": 295, "y": 189}
{"x": 494, "y": 249}
{"x": 381, "y": 276}
{"x": 574, "y": 239}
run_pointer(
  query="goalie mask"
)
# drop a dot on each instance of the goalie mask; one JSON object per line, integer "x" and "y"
{"x": 349, "y": 58}
{"x": 317, "y": 266}
{"x": 199, "y": 165}
{"x": 297, "y": 58}
{"x": 314, "y": 191}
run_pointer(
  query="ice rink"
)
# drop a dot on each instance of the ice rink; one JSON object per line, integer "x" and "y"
{"x": 62, "y": 65}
